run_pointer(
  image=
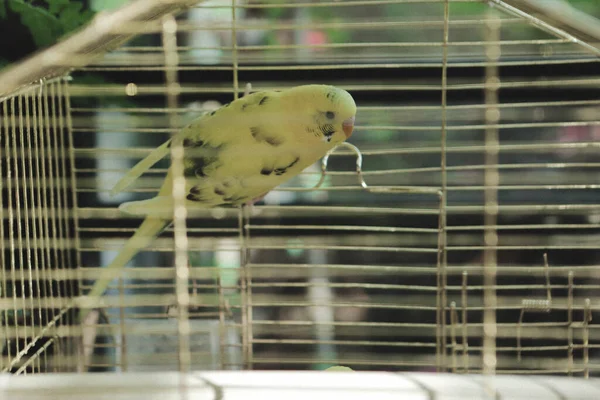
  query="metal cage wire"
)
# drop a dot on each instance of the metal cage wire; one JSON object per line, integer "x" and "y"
{"x": 37, "y": 226}
{"x": 462, "y": 246}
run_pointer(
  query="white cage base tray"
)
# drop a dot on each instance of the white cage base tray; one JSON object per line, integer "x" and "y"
{"x": 246, "y": 385}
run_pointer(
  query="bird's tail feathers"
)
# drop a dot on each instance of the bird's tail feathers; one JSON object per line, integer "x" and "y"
{"x": 148, "y": 230}
{"x": 159, "y": 207}
{"x": 138, "y": 169}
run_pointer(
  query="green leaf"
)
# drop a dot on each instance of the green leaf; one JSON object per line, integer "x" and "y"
{"x": 70, "y": 16}
{"x": 44, "y": 27}
{"x": 55, "y": 6}
{"x": 103, "y": 5}
{"x": 2, "y": 9}
{"x": 86, "y": 16}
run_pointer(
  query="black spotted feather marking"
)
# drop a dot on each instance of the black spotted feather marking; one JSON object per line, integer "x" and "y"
{"x": 198, "y": 158}
{"x": 191, "y": 143}
{"x": 248, "y": 102}
{"x": 279, "y": 170}
{"x": 254, "y": 99}
{"x": 311, "y": 130}
{"x": 196, "y": 194}
{"x": 273, "y": 141}
{"x": 227, "y": 190}
{"x": 327, "y": 130}
{"x": 283, "y": 170}
{"x": 196, "y": 168}
{"x": 260, "y": 136}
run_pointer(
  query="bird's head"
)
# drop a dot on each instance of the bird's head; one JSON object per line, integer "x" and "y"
{"x": 327, "y": 112}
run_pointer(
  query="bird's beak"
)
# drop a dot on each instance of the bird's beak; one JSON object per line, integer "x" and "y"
{"x": 348, "y": 126}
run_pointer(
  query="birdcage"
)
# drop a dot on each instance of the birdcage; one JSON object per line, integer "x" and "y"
{"x": 458, "y": 232}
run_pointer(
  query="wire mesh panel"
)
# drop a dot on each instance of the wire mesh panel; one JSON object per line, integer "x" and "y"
{"x": 460, "y": 234}
{"x": 37, "y": 230}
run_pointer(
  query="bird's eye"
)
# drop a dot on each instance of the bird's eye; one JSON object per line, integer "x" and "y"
{"x": 330, "y": 115}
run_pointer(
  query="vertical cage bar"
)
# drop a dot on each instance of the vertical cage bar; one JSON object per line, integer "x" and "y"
{"x": 65, "y": 206}
{"x": 43, "y": 360}
{"x": 27, "y": 231}
{"x": 587, "y": 318}
{"x": 28, "y": 204}
{"x": 465, "y": 329}
{"x": 31, "y": 131}
{"x": 222, "y": 327}
{"x": 37, "y": 115}
{"x": 442, "y": 255}
{"x": 3, "y": 259}
{"x": 70, "y": 145}
{"x": 43, "y": 206}
{"x": 570, "y": 346}
{"x": 53, "y": 194}
{"x": 453, "y": 323}
{"x": 14, "y": 220}
{"x": 234, "y": 49}
{"x": 74, "y": 217}
{"x": 169, "y": 40}
{"x": 243, "y": 222}
{"x": 22, "y": 234}
{"x": 245, "y": 287}
{"x": 491, "y": 182}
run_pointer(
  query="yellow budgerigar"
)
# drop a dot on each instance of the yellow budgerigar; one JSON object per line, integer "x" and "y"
{"x": 237, "y": 154}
